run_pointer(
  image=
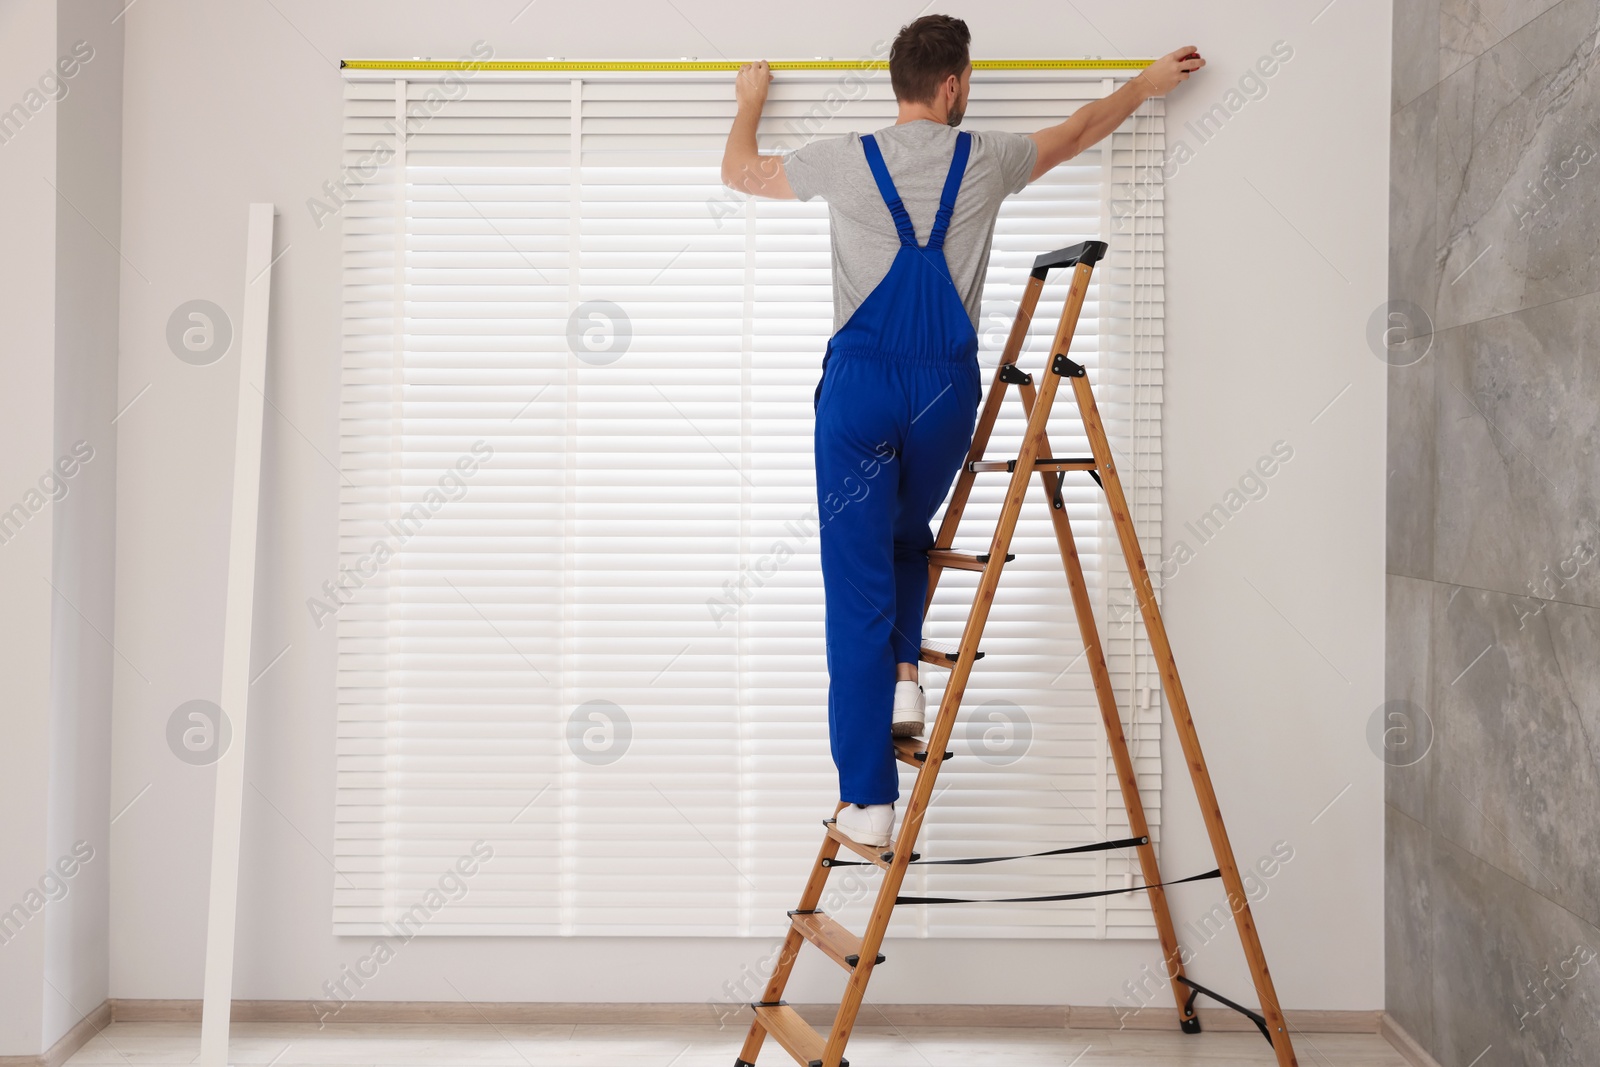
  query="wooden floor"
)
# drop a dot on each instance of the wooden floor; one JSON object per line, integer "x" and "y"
{"x": 416, "y": 1045}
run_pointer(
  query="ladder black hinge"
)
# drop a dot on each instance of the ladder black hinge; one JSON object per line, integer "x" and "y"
{"x": 1096, "y": 476}
{"x": 1012, "y": 374}
{"x": 1064, "y": 365}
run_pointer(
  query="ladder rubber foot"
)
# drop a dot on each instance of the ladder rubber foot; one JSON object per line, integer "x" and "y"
{"x": 743, "y": 1063}
{"x": 1190, "y": 1026}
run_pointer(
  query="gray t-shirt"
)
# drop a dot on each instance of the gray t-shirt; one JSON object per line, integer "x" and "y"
{"x": 917, "y": 155}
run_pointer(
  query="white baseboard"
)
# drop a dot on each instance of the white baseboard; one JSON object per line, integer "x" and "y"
{"x": 732, "y": 1016}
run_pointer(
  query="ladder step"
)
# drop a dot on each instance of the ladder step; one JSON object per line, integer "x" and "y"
{"x": 942, "y": 653}
{"x": 961, "y": 561}
{"x": 839, "y": 944}
{"x": 912, "y": 751}
{"x": 878, "y": 857}
{"x": 866, "y": 852}
{"x": 793, "y": 1033}
{"x": 1043, "y": 463}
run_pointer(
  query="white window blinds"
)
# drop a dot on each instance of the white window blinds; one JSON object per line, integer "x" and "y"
{"x": 580, "y": 611}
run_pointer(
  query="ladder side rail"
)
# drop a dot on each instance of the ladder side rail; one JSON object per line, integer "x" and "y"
{"x": 999, "y": 545}
{"x": 980, "y": 437}
{"x": 904, "y": 844}
{"x": 810, "y": 897}
{"x": 1111, "y": 717}
{"x": 1205, "y": 792}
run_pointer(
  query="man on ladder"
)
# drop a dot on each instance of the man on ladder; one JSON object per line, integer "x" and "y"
{"x": 900, "y": 388}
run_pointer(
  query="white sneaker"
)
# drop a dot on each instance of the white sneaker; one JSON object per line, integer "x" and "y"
{"x": 910, "y": 709}
{"x": 870, "y": 825}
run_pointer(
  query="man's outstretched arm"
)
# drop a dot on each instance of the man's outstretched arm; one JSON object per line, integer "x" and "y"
{"x": 1096, "y": 119}
{"x": 743, "y": 166}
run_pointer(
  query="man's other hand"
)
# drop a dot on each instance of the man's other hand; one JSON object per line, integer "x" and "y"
{"x": 743, "y": 166}
{"x": 1098, "y": 118}
{"x": 1163, "y": 76}
{"x": 750, "y": 88}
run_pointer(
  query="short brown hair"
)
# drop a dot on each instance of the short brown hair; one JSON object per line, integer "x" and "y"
{"x": 926, "y": 52}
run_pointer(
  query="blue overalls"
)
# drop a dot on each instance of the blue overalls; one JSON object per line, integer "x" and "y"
{"x": 895, "y": 411}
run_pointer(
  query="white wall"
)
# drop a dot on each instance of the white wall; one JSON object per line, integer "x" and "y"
{"x": 59, "y": 210}
{"x": 1276, "y": 255}
{"x": 27, "y": 288}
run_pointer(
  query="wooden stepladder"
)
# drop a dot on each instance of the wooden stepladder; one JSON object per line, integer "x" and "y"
{"x": 859, "y": 955}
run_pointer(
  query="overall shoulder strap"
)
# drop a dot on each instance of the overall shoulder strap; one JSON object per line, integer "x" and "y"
{"x": 952, "y": 186}
{"x": 891, "y": 196}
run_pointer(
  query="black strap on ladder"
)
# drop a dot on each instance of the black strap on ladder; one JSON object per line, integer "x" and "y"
{"x": 1063, "y": 896}
{"x": 1098, "y": 846}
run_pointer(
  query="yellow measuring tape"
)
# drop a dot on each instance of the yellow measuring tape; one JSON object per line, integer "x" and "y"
{"x": 725, "y": 65}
